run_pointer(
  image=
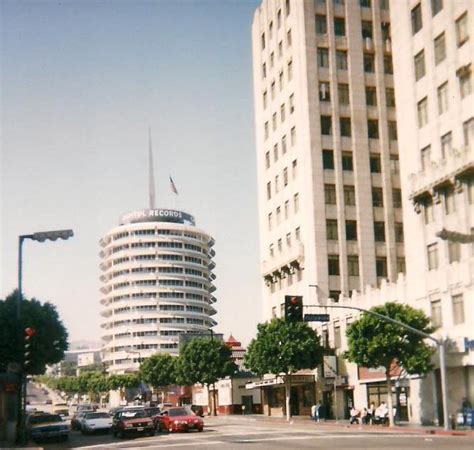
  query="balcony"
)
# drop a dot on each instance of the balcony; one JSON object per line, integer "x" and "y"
{"x": 450, "y": 171}
{"x": 281, "y": 265}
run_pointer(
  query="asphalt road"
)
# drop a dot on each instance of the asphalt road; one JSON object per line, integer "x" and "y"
{"x": 242, "y": 433}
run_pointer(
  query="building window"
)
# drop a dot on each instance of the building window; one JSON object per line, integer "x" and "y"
{"x": 416, "y": 20}
{"x": 287, "y": 7}
{"x": 366, "y": 29}
{"x": 443, "y": 98}
{"x": 462, "y": 29}
{"x": 377, "y": 197}
{"x": 293, "y": 136}
{"x": 436, "y": 6}
{"x": 323, "y": 57}
{"x": 274, "y": 121}
{"x": 464, "y": 76}
{"x": 272, "y": 90}
{"x": 263, "y": 41}
{"x": 394, "y": 164}
{"x": 270, "y": 220}
{"x": 287, "y": 209}
{"x": 282, "y": 113}
{"x": 292, "y": 103}
{"x": 290, "y": 70}
{"x": 280, "y": 80}
{"x": 296, "y": 203}
{"x": 351, "y": 230}
{"x": 341, "y": 60}
{"x": 387, "y": 64}
{"x": 272, "y": 60}
{"x": 468, "y": 131}
{"x": 283, "y": 144}
{"x": 324, "y": 91}
{"x": 428, "y": 211}
{"x": 375, "y": 164}
{"x": 269, "y": 190}
{"x": 440, "y": 48}
{"x": 379, "y": 231}
{"x": 422, "y": 109}
{"x": 326, "y": 125}
{"x": 298, "y": 234}
{"x": 420, "y": 65}
{"x": 370, "y": 96}
{"x": 331, "y": 230}
{"x": 271, "y": 250}
{"x": 267, "y": 131}
{"x": 267, "y": 160}
{"x": 458, "y": 309}
{"x": 279, "y": 18}
{"x": 275, "y": 152}
{"x": 321, "y": 24}
{"x": 399, "y": 232}
{"x": 384, "y": 4}
{"x": 373, "y": 129}
{"x": 337, "y": 335}
{"x": 446, "y": 144}
{"x": 280, "y": 49}
{"x": 345, "y": 126}
{"x": 369, "y": 63}
{"x": 285, "y": 176}
{"x": 392, "y": 130}
{"x": 425, "y": 157}
{"x": 330, "y": 194}
{"x": 339, "y": 26}
{"x": 277, "y": 185}
{"x": 397, "y": 198}
{"x": 449, "y": 201}
{"x": 381, "y": 267}
{"x": 385, "y": 28}
{"x": 349, "y": 196}
{"x": 436, "y": 314}
{"x": 280, "y": 245}
{"x": 343, "y": 92}
{"x": 401, "y": 266}
{"x": 454, "y": 252}
{"x": 390, "y": 97}
{"x": 347, "y": 161}
{"x": 432, "y": 256}
{"x": 328, "y": 159}
{"x": 353, "y": 265}
{"x": 294, "y": 169}
{"x": 265, "y": 100}
{"x": 333, "y": 264}
{"x": 288, "y": 239}
{"x": 264, "y": 70}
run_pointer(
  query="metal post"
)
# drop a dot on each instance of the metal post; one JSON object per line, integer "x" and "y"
{"x": 435, "y": 400}
{"x": 21, "y": 387}
{"x": 444, "y": 384}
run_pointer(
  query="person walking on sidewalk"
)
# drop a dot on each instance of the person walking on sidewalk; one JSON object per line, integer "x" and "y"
{"x": 315, "y": 411}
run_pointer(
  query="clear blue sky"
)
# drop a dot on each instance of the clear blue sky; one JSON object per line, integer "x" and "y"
{"x": 81, "y": 81}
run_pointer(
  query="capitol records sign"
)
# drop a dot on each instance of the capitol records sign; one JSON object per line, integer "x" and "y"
{"x": 158, "y": 215}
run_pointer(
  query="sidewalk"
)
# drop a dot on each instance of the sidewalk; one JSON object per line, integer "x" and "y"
{"x": 332, "y": 424}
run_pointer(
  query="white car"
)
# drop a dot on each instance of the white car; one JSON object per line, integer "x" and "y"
{"x": 96, "y": 421}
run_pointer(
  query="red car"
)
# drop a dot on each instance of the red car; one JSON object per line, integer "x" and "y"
{"x": 179, "y": 419}
{"x": 132, "y": 422}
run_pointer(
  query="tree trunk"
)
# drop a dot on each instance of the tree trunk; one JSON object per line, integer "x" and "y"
{"x": 287, "y": 395}
{"x": 389, "y": 398}
{"x": 214, "y": 402}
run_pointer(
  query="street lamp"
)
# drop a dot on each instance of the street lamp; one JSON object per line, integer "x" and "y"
{"x": 440, "y": 343}
{"x": 41, "y": 236}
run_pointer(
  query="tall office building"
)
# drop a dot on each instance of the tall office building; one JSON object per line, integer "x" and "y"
{"x": 433, "y": 46}
{"x": 327, "y": 151}
{"x": 156, "y": 284}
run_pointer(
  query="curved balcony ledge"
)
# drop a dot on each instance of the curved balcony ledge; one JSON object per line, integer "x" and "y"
{"x": 277, "y": 268}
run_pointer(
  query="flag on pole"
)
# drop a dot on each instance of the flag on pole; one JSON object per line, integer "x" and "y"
{"x": 173, "y": 186}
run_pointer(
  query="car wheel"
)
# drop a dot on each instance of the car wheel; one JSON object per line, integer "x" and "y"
{"x": 120, "y": 434}
{"x": 151, "y": 433}
{"x": 200, "y": 429}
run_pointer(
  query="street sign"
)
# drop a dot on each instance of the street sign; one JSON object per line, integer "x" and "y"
{"x": 316, "y": 317}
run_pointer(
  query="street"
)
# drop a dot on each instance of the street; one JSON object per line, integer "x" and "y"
{"x": 246, "y": 432}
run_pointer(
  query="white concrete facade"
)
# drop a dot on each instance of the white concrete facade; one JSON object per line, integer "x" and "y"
{"x": 329, "y": 195}
{"x": 156, "y": 284}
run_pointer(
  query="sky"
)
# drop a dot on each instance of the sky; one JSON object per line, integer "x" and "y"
{"x": 81, "y": 82}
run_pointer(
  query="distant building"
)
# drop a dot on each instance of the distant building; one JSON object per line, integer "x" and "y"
{"x": 157, "y": 283}
{"x": 238, "y": 352}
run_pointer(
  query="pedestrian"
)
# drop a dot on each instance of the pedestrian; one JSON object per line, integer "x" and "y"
{"x": 364, "y": 416}
{"x": 354, "y": 415}
{"x": 371, "y": 412}
{"x": 315, "y": 411}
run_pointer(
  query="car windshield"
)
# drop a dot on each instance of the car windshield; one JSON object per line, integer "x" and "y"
{"x": 177, "y": 412}
{"x": 45, "y": 418}
{"x": 99, "y": 415}
{"x": 133, "y": 414}
{"x": 152, "y": 411}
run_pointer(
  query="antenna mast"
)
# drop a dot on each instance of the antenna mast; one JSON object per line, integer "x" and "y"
{"x": 151, "y": 177}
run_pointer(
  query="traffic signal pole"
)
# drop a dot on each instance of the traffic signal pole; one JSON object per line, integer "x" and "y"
{"x": 440, "y": 343}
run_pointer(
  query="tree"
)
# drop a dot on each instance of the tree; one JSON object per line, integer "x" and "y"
{"x": 375, "y": 343}
{"x": 205, "y": 361}
{"x": 158, "y": 370}
{"x": 47, "y": 345}
{"x": 282, "y": 348}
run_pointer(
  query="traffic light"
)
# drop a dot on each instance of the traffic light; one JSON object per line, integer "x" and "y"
{"x": 294, "y": 308}
{"x": 27, "y": 352}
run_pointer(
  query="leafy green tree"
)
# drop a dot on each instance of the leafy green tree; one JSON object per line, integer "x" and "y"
{"x": 283, "y": 348}
{"x": 205, "y": 361}
{"x": 374, "y": 343}
{"x": 68, "y": 368}
{"x": 158, "y": 370}
{"x": 47, "y": 345}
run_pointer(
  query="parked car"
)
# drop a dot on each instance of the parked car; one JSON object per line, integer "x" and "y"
{"x": 61, "y": 408}
{"x": 45, "y": 426}
{"x": 198, "y": 410}
{"x": 96, "y": 421}
{"x": 76, "y": 421}
{"x": 179, "y": 419}
{"x": 132, "y": 422}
